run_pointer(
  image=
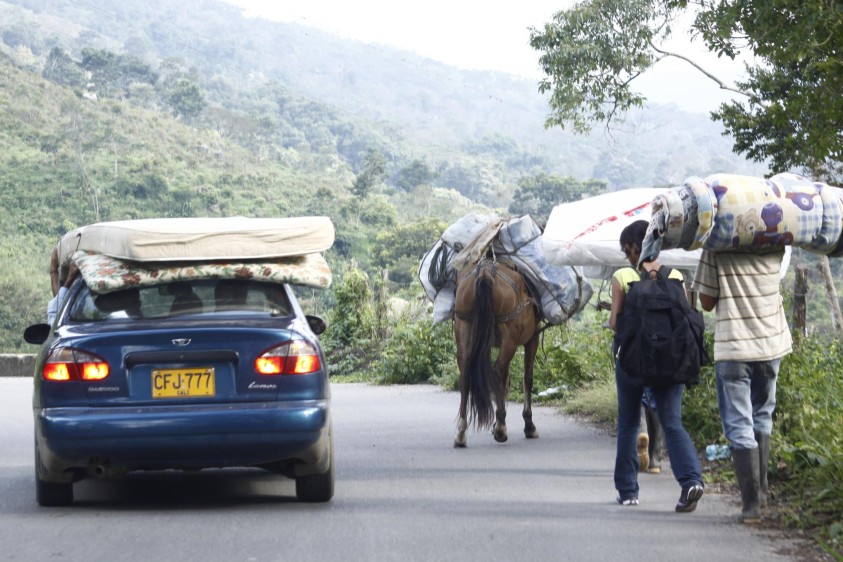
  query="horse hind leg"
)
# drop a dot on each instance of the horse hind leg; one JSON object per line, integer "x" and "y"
{"x": 502, "y": 371}
{"x": 462, "y": 417}
{"x": 530, "y": 349}
{"x": 499, "y": 431}
{"x": 460, "y": 441}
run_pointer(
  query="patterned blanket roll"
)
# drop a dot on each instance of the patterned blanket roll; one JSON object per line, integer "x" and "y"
{"x": 731, "y": 212}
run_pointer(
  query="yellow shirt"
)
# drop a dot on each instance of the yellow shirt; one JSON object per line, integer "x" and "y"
{"x": 628, "y": 275}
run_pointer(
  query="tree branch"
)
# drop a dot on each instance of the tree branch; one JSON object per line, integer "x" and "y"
{"x": 719, "y": 82}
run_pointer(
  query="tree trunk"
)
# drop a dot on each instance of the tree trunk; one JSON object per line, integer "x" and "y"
{"x": 383, "y": 304}
{"x": 800, "y": 302}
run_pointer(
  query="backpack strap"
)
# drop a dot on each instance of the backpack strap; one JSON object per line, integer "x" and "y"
{"x": 665, "y": 272}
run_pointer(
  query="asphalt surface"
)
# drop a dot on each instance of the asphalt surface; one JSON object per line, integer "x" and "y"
{"x": 402, "y": 493}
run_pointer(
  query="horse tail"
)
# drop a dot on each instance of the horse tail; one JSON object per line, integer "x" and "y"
{"x": 482, "y": 379}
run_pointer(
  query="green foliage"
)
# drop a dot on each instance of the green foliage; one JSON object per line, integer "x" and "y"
{"x": 400, "y": 248}
{"x": 416, "y": 351}
{"x": 537, "y": 195}
{"x": 807, "y": 446}
{"x": 593, "y": 52}
{"x": 352, "y": 318}
{"x": 598, "y": 402}
{"x": 112, "y": 75}
{"x": 418, "y": 172}
{"x": 372, "y": 172}
{"x": 377, "y": 212}
{"x": 61, "y": 69}
{"x": 793, "y": 113}
{"x": 21, "y": 305}
{"x": 575, "y": 354}
{"x": 185, "y": 99}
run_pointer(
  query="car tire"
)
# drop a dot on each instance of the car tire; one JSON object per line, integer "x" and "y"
{"x": 316, "y": 488}
{"x": 50, "y": 494}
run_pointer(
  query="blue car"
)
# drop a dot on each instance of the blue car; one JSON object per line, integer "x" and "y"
{"x": 184, "y": 375}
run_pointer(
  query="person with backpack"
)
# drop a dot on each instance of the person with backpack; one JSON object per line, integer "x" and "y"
{"x": 751, "y": 336}
{"x": 630, "y": 386}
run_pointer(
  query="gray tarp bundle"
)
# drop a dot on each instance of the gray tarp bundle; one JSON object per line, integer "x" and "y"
{"x": 562, "y": 289}
{"x": 731, "y": 212}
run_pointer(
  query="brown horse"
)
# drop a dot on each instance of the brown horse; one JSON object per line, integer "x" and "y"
{"x": 493, "y": 309}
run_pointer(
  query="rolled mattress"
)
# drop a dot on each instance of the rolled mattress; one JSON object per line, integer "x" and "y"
{"x": 201, "y": 239}
{"x": 726, "y": 212}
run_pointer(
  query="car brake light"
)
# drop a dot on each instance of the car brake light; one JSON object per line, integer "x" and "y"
{"x": 67, "y": 364}
{"x": 296, "y": 357}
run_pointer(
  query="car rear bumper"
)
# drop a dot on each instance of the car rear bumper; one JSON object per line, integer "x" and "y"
{"x": 102, "y": 441}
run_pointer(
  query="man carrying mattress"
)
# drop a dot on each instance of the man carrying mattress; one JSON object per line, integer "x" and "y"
{"x": 751, "y": 338}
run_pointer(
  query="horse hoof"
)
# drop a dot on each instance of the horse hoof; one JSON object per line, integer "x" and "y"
{"x": 459, "y": 444}
{"x": 500, "y": 437}
{"x": 531, "y": 434}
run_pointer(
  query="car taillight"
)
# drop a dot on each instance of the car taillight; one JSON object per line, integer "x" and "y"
{"x": 67, "y": 364}
{"x": 295, "y": 357}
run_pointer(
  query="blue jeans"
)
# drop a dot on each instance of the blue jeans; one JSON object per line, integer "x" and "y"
{"x": 680, "y": 449}
{"x": 746, "y": 396}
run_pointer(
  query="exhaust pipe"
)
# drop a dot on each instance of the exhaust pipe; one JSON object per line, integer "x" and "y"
{"x": 99, "y": 467}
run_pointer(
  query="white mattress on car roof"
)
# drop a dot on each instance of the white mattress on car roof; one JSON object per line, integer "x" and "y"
{"x": 197, "y": 239}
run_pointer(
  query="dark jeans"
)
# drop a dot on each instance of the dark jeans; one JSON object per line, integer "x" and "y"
{"x": 680, "y": 449}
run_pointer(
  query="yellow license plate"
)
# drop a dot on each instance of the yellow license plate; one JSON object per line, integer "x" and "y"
{"x": 181, "y": 383}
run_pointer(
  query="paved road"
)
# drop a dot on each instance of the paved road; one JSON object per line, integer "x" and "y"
{"x": 403, "y": 493}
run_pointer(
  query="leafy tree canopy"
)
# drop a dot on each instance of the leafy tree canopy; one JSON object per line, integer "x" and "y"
{"x": 416, "y": 173}
{"x": 592, "y": 53}
{"x": 400, "y": 247}
{"x": 537, "y": 195}
{"x": 372, "y": 172}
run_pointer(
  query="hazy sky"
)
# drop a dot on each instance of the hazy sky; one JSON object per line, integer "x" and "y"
{"x": 483, "y": 34}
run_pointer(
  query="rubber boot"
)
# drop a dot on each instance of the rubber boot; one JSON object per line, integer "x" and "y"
{"x": 763, "y": 440}
{"x": 654, "y": 430}
{"x": 746, "y": 470}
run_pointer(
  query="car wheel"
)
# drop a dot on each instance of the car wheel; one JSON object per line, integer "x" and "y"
{"x": 318, "y": 487}
{"x": 50, "y": 494}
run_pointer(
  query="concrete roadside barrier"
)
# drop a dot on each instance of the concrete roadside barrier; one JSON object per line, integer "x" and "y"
{"x": 17, "y": 364}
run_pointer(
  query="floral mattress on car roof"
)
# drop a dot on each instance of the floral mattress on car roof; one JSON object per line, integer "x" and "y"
{"x": 104, "y": 274}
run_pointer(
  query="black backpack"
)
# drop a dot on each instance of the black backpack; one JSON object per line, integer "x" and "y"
{"x": 659, "y": 334}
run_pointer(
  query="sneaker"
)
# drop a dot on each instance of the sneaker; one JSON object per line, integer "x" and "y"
{"x": 691, "y": 493}
{"x": 632, "y": 500}
{"x": 643, "y": 451}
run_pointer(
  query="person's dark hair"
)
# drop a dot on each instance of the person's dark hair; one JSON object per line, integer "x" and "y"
{"x": 633, "y": 234}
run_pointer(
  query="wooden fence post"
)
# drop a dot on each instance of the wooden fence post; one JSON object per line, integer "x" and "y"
{"x": 800, "y": 302}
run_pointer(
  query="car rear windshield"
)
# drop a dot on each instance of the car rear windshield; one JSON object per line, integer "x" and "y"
{"x": 205, "y": 297}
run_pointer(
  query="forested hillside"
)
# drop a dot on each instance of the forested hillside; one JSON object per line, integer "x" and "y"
{"x": 149, "y": 108}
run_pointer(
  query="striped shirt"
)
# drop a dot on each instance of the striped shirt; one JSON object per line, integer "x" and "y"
{"x": 751, "y": 324}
